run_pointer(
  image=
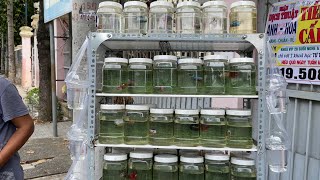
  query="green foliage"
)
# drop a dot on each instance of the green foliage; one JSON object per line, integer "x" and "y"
{"x": 33, "y": 96}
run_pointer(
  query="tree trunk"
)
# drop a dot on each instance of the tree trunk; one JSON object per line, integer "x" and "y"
{"x": 44, "y": 68}
{"x": 2, "y": 58}
{"x": 12, "y": 64}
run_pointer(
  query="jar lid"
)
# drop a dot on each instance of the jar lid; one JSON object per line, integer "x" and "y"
{"x": 217, "y": 157}
{"x": 243, "y": 3}
{"x": 191, "y": 159}
{"x": 214, "y": 57}
{"x": 140, "y": 60}
{"x": 188, "y": 3}
{"x": 214, "y": 3}
{"x": 242, "y": 60}
{"x": 164, "y": 57}
{"x": 166, "y": 158}
{"x": 115, "y": 157}
{"x": 161, "y": 3}
{"x": 138, "y": 107}
{"x": 161, "y": 111}
{"x": 141, "y": 154}
{"x": 242, "y": 161}
{"x": 213, "y": 112}
{"x": 190, "y": 60}
{"x": 187, "y": 111}
{"x": 110, "y": 3}
{"x": 239, "y": 112}
{"x": 135, "y": 3}
{"x": 112, "y": 106}
{"x": 115, "y": 60}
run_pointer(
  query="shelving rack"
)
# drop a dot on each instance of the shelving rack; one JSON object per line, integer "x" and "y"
{"x": 241, "y": 44}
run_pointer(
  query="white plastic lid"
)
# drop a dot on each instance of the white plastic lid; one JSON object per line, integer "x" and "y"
{"x": 141, "y": 154}
{"x": 161, "y": 3}
{"x": 135, "y": 3}
{"x": 191, "y": 159}
{"x": 239, "y": 112}
{"x": 164, "y": 57}
{"x": 112, "y": 106}
{"x": 138, "y": 107}
{"x": 243, "y": 3}
{"x": 242, "y": 161}
{"x": 115, "y": 60}
{"x": 140, "y": 60}
{"x": 161, "y": 111}
{"x": 214, "y": 57}
{"x": 214, "y": 3}
{"x": 187, "y": 111}
{"x": 110, "y": 3}
{"x": 115, "y": 157}
{"x": 242, "y": 60}
{"x": 217, "y": 157}
{"x": 188, "y": 3}
{"x": 190, "y": 60}
{"x": 166, "y": 158}
{"x": 220, "y": 112}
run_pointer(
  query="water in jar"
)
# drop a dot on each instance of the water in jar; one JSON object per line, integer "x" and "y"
{"x": 165, "y": 170}
{"x": 135, "y": 17}
{"x": 165, "y": 74}
{"x": 243, "y": 17}
{"x": 190, "y": 76}
{"x": 115, "y": 75}
{"x": 161, "y": 17}
{"x": 188, "y": 17}
{"x": 244, "y": 171}
{"x": 161, "y": 128}
{"x": 186, "y": 127}
{"x": 216, "y": 172}
{"x": 191, "y": 171}
{"x": 140, "y": 76}
{"x": 109, "y": 17}
{"x": 140, "y": 169}
{"x": 115, "y": 170}
{"x": 214, "y": 17}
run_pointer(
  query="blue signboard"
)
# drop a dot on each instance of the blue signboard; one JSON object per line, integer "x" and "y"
{"x": 56, "y": 8}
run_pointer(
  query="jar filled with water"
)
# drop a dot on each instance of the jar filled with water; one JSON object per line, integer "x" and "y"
{"x": 243, "y": 169}
{"x": 115, "y": 166}
{"x": 161, "y": 17}
{"x": 191, "y": 168}
{"x": 165, "y": 74}
{"x": 214, "y": 17}
{"x": 115, "y": 75}
{"x": 135, "y": 17}
{"x": 188, "y": 19}
{"x": 140, "y": 165}
{"x": 165, "y": 167}
{"x": 140, "y": 75}
{"x": 190, "y": 76}
{"x": 217, "y": 167}
{"x": 243, "y": 17}
{"x": 109, "y": 17}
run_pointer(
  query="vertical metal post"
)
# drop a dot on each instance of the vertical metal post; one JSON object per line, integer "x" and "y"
{"x": 53, "y": 81}
{"x": 26, "y": 13}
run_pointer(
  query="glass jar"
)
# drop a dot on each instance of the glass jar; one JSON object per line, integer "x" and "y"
{"x": 111, "y": 123}
{"x": 243, "y": 169}
{"x": 216, "y": 70}
{"x": 115, "y": 75}
{"x": 140, "y": 75}
{"x": 188, "y": 17}
{"x": 243, "y": 17}
{"x": 164, "y": 73}
{"x": 115, "y": 166}
{"x": 239, "y": 129}
{"x": 135, "y": 17}
{"x": 165, "y": 167}
{"x": 136, "y": 127}
{"x": 213, "y": 128}
{"x": 109, "y": 17}
{"x": 214, "y": 17}
{"x": 140, "y": 165}
{"x": 242, "y": 76}
{"x": 190, "y": 76}
{"x": 217, "y": 167}
{"x": 186, "y": 127}
{"x": 161, "y": 127}
{"x": 161, "y": 17}
{"x": 191, "y": 168}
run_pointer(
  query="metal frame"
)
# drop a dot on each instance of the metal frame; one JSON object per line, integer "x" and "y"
{"x": 257, "y": 40}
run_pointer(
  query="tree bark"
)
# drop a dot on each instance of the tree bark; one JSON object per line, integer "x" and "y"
{"x": 12, "y": 64}
{"x": 44, "y": 68}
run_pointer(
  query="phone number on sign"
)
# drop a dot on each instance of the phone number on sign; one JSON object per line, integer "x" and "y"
{"x": 301, "y": 73}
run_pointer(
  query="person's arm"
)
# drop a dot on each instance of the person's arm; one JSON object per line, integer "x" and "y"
{"x": 25, "y": 128}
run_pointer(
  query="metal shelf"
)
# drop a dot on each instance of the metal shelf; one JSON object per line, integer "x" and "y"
{"x": 178, "y": 95}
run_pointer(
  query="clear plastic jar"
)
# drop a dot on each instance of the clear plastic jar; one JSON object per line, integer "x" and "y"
{"x": 242, "y": 76}
{"x": 161, "y": 127}
{"x": 140, "y": 165}
{"x": 109, "y": 17}
{"x": 165, "y": 167}
{"x": 186, "y": 127}
{"x": 243, "y": 17}
{"x": 243, "y": 169}
{"x": 140, "y": 75}
{"x": 217, "y": 167}
{"x": 216, "y": 70}
{"x": 239, "y": 129}
{"x": 115, "y": 166}
{"x": 215, "y": 15}
{"x": 161, "y": 17}
{"x": 213, "y": 128}
{"x": 188, "y": 17}
{"x": 164, "y": 73}
{"x": 115, "y": 75}
{"x": 136, "y": 129}
{"x": 135, "y": 17}
{"x": 111, "y": 123}
{"x": 190, "y": 76}
{"x": 191, "y": 168}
